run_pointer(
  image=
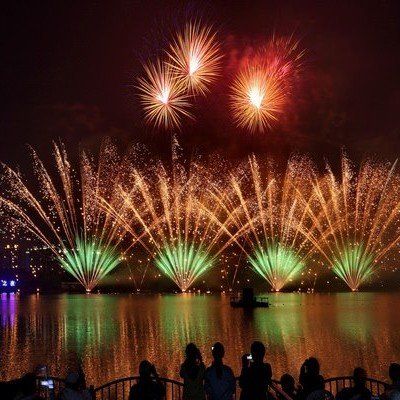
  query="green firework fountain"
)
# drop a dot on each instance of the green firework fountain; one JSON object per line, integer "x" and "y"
{"x": 354, "y": 264}
{"x": 277, "y": 264}
{"x": 90, "y": 261}
{"x": 184, "y": 263}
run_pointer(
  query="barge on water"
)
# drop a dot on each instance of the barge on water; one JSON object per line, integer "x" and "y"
{"x": 248, "y": 300}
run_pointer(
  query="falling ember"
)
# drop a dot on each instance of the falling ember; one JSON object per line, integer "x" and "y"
{"x": 195, "y": 57}
{"x": 68, "y": 219}
{"x": 355, "y": 218}
{"x": 163, "y": 97}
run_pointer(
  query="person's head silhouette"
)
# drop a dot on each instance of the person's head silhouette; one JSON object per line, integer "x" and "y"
{"x": 359, "y": 376}
{"x": 192, "y": 353}
{"x": 218, "y": 351}
{"x": 257, "y": 351}
{"x": 287, "y": 383}
{"x": 394, "y": 372}
{"x": 146, "y": 368}
{"x": 313, "y": 367}
{"x": 27, "y": 384}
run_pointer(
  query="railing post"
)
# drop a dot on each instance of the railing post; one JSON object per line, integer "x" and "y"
{"x": 92, "y": 392}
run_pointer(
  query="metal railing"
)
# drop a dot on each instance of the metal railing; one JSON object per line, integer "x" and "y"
{"x": 335, "y": 385}
{"x": 119, "y": 389}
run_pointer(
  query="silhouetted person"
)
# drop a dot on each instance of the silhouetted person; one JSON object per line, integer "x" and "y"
{"x": 359, "y": 390}
{"x": 288, "y": 385}
{"x": 27, "y": 389}
{"x": 393, "y": 390}
{"x": 256, "y": 375}
{"x": 192, "y": 372}
{"x": 149, "y": 386}
{"x": 8, "y": 390}
{"x": 74, "y": 389}
{"x": 310, "y": 378}
{"x": 219, "y": 382}
{"x": 318, "y": 391}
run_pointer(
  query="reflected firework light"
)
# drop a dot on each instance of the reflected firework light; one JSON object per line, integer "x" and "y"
{"x": 163, "y": 96}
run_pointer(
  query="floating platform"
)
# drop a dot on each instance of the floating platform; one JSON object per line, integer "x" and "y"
{"x": 248, "y": 300}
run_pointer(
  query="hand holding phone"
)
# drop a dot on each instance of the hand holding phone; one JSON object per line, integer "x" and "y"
{"x": 49, "y": 383}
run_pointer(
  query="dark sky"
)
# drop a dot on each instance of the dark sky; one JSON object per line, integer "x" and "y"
{"x": 68, "y": 70}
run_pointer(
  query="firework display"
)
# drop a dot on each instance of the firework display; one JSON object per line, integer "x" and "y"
{"x": 195, "y": 56}
{"x": 163, "y": 96}
{"x": 89, "y": 261}
{"x": 356, "y": 218}
{"x": 265, "y": 207}
{"x": 64, "y": 214}
{"x": 189, "y": 216}
{"x": 257, "y": 99}
{"x": 163, "y": 208}
{"x": 260, "y": 87}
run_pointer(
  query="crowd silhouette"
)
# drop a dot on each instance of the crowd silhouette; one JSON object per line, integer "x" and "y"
{"x": 216, "y": 382}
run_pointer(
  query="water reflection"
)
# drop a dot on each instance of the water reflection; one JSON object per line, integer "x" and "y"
{"x": 111, "y": 334}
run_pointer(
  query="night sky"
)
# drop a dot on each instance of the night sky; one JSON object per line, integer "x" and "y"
{"x": 68, "y": 71}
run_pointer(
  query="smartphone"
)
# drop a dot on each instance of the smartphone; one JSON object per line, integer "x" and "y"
{"x": 48, "y": 383}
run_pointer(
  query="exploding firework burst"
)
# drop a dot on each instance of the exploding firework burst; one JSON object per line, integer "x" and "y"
{"x": 257, "y": 99}
{"x": 67, "y": 218}
{"x": 163, "y": 206}
{"x": 263, "y": 85}
{"x": 357, "y": 222}
{"x": 163, "y": 96}
{"x": 195, "y": 56}
{"x": 268, "y": 209}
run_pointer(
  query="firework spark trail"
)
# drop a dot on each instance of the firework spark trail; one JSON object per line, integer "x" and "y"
{"x": 263, "y": 85}
{"x": 163, "y": 96}
{"x": 195, "y": 56}
{"x": 267, "y": 210}
{"x": 164, "y": 206}
{"x": 67, "y": 219}
{"x": 356, "y": 218}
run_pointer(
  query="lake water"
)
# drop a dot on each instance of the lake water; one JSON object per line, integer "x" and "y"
{"x": 112, "y": 333}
